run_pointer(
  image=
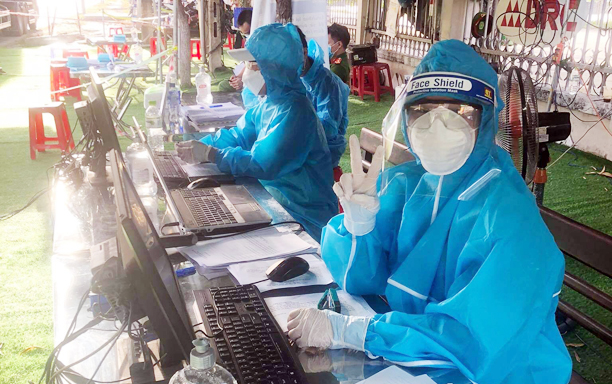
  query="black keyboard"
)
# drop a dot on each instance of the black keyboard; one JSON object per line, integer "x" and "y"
{"x": 248, "y": 341}
{"x": 207, "y": 207}
{"x": 169, "y": 167}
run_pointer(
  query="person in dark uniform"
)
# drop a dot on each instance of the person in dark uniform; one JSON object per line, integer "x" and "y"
{"x": 338, "y": 38}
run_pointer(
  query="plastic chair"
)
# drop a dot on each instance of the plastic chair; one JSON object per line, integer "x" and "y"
{"x": 60, "y": 80}
{"x": 38, "y": 141}
{"x": 365, "y": 80}
{"x": 153, "y": 45}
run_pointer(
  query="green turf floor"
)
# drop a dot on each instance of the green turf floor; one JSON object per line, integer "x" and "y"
{"x": 25, "y": 272}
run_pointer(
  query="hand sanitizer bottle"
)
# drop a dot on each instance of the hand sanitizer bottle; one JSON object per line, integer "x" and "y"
{"x": 202, "y": 368}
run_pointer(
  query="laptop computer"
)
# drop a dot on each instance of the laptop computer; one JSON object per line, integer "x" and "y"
{"x": 175, "y": 171}
{"x": 211, "y": 211}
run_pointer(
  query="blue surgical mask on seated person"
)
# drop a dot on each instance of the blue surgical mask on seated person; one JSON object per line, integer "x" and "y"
{"x": 442, "y": 139}
{"x": 253, "y": 80}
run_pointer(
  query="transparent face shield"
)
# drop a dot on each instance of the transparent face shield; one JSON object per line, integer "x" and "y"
{"x": 427, "y": 113}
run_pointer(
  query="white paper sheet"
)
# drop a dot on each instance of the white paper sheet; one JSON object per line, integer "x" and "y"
{"x": 248, "y": 273}
{"x": 257, "y": 245}
{"x": 239, "y": 68}
{"x": 280, "y": 307}
{"x": 396, "y": 375}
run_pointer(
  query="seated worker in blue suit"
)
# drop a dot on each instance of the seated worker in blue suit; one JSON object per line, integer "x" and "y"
{"x": 454, "y": 239}
{"x": 280, "y": 141}
{"x": 329, "y": 95}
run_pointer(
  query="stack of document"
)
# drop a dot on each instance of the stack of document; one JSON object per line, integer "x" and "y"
{"x": 214, "y": 256}
{"x": 214, "y": 113}
{"x": 249, "y": 273}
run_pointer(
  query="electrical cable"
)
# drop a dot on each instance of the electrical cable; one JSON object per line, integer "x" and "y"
{"x": 36, "y": 196}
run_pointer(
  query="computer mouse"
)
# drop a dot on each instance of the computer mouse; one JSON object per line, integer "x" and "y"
{"x": 204, "y": 182}
{"x": 284, "y": 270}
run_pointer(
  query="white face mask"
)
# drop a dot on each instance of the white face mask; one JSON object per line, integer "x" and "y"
{"x": 442, "y": 140}
{"x": 253, "y": 80}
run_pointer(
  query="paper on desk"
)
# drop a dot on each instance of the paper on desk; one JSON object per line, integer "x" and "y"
{"x": 280, "y": 307}
{"x": 248, "y": 273}
{"x": 396, "y": 375}
{"x": 266, "y": 243}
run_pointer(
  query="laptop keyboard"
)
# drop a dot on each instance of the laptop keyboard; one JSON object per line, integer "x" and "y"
{"x": 207, "y": 207}
{"x": 169, "y": 168}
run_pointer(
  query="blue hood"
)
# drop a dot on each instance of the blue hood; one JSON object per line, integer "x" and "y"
{"x": 315, "y": 52}
{"x": 456, "y": 56}
{"x": 279, "y": 54}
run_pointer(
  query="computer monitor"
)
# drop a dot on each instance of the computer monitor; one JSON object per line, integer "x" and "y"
{"x": 101, "y": 112}
{"x": 149, "y": 270}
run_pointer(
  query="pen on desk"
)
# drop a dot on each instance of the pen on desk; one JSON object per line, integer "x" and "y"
{"x": 185, "y": 272}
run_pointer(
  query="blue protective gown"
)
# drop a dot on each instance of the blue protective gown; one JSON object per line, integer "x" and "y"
{"x": 476, "y": 289}
{"x": 249, "y": 99}
{"x": 280, "y": 141}
{"x": 329, "y": 95}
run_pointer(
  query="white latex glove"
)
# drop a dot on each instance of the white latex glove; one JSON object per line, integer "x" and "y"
{"x": 357, "y": 191}
{"x": 194, "y": 152}
{"x": 310, "y": 327}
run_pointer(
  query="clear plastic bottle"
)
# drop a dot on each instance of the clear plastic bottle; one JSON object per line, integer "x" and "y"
{"x": 202, "y": 368}
{"x": 134, "y": 33}
{"x": 150, "y": 205}
{"x": 174, "y": 106}
{"x": 155, "y": 132}
{"x": 203, "y": 82}
{"x": 136, "y": 53}
{"x": 141, "y": 170}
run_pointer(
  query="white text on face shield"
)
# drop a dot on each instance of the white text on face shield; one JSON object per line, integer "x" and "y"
{"x": 441, "y": 82}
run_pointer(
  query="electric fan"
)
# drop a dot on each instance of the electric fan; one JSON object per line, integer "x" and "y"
{"x": 524, "y": 133}
{"x": 518, "y": 121}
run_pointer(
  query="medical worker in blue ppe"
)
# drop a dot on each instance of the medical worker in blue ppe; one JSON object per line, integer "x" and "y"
{"x": 453, "y": 239}
{"x": 280, "y": 141}
{"x": 329, "y": 96}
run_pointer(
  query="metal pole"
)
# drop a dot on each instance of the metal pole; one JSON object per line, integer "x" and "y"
{"x": 202, "y": 34}
{"x": 76, "y": 5}
{"x": 159, "y": 71}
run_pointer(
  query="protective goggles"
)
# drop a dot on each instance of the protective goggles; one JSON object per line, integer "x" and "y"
{"x": 446, "y": 111}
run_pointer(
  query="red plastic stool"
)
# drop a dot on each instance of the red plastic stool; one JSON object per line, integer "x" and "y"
{"x": 195, "y": 49}
{"x": 230, "y": 41}
{"x": 365, "y": 80}
{"x": 115, "y": 31}
{"x": 60, "y": 79}
{"x": 74, "y": 53}
{"x": 153, "y": 45}
{"x": 114, "y": 49}
{"x": 38, "y": 140}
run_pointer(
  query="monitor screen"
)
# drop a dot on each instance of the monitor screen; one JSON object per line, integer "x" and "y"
{"x": 101, "y": 113}
{"x": 149, "y": 269}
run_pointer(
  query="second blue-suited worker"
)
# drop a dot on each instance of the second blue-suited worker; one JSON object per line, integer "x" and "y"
{"x": 280, "y": 141}
{"x": 329, "y": 96}
{"x": 454, "y": 239}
